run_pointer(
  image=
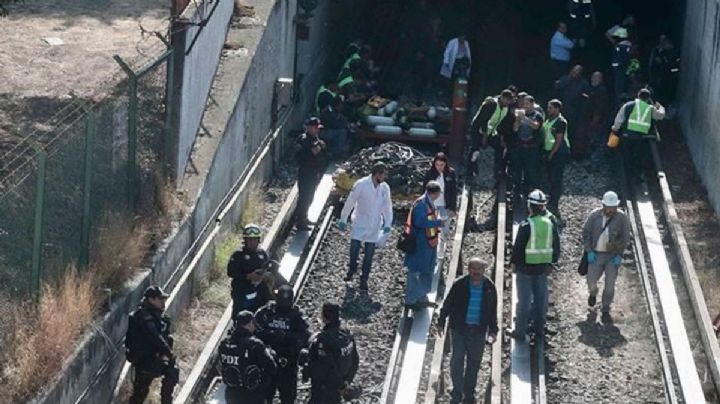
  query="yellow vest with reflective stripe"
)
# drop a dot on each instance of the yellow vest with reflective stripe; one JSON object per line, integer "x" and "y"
{"x": 550, "y": 137}
{"x": 497, "y": 117}
{"x": 347, "y": 80}
{"x": 640, "y": 118}
{"x": 539, "y": 249}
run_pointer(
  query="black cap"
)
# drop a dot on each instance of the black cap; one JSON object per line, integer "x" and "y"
{"x": 155, "y": 291}
{"x": 244, "y": 318}
{"x": 331, "y": 312}
{"x": 314, "y": 121}
{"x": 285, "y": 296}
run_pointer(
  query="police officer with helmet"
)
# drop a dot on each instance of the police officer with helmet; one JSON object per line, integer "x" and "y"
{"x": 246, "y": 364}
{"x": 332, "y": 359}
{"x": 281, "y": 327}
{"x": 149, "y": 347}
{"x": 248, "y": 270}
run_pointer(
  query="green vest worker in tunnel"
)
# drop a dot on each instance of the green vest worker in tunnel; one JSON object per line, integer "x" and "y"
{"x": 635, "y": 124}
{"x": 536, "y": 248}
{"x": 556, "y": 152}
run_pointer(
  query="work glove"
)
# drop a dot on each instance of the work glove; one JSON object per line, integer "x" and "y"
{"x": 617, "y": 260}
{"x": 591, "y": 257}
{"x": 386, "y": 230}
{"x": 341, "y": 225}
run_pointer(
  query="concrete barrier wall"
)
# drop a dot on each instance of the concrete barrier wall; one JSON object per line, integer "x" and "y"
{"x": 699, "y": 92}
{"x": 198, "y": 40}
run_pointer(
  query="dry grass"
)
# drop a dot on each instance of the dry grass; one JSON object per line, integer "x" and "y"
{"x": 118, "y": 249}
{"x": 253, "y": 206}
{"x": 46, "y": 336}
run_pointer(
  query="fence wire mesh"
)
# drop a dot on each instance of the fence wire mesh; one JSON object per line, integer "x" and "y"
{"x": 75, "y": 201}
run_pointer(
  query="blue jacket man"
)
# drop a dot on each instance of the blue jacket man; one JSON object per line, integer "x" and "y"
{"x": 424, "y": 223}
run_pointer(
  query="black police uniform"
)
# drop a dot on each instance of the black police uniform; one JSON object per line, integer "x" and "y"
{"x": 149, "y": 349}
{"x": 284, "y": 330}
{"x": 310, "y": 171}
{"x": 247, "y": 367}
{"x": 246, "y": 295}
{"x": 332, "y": 364}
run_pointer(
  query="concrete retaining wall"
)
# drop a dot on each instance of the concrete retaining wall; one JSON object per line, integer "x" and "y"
{"x": 198, "y": 39}
{"x": 700, "y": 91}
{"x": 91, "y": 373}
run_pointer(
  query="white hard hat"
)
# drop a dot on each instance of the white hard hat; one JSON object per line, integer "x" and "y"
{"x": 620, "y": 33}
{"x": 610, "y": 199}
{"x": 537, "y": 197}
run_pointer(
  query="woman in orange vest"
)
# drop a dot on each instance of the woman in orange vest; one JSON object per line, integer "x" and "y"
{"x": 424, "y": 223}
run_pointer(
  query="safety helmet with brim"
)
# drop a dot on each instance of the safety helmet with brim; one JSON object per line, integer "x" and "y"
{"x": 252, "y": 231}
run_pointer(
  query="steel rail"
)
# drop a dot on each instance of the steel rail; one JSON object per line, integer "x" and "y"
{"x": 501, "y": 234}
{"x": 436, "y": 385}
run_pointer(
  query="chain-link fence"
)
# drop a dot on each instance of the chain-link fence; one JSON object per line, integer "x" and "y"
{"x": 92, "y": 158}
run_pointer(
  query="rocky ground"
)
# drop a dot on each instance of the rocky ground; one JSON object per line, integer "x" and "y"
{"x": 587, "y": 360}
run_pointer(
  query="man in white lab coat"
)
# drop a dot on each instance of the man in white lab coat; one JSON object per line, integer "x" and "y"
{"x": 372, "y": 217}
{"x": 457, "y": 58}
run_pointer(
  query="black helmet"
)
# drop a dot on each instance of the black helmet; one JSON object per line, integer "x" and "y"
{"x": 285, "y": 296}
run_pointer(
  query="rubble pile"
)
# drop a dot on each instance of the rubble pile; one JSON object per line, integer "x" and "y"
{"x": 406, "y": 169}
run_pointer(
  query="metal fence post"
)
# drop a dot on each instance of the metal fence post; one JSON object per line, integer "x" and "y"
{"x": 132, "y": 131}
{"x": 87, "y": 188}
{"x": 39, "y": 227}
{"x": 168, "y": 142}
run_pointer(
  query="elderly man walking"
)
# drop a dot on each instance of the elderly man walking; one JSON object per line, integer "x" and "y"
{"x": 371, "y": 204}
{"x": 471, "y": 305}
{"x": 422, "y": 223}
{"x": 606, "y": 233}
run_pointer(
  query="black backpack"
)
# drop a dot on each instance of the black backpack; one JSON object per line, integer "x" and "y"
{"x": 239, "y": 368}
{"x": 132, "y": 339}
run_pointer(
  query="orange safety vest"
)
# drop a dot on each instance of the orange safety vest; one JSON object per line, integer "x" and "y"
{"x": 431, "y": 233}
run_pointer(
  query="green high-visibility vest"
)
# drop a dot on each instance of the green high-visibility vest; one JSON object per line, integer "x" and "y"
{"x": 347, "y": 80}
{"x": 539, "y": 249}
{"x": 640, "y": 118}
{"x": 549, "y": 136}
{"x": 321, "y": 90}
{"x": 354, "y": 56}
{"x": 497, "y": 116}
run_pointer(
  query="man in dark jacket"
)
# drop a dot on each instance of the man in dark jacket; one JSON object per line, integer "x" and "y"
{"x": 281, "y": 326}
{"x": 489, "y": 126}
{"x": 248, "y": 268}
{"x": 471, "y": 305}
{"x": 311, "y": 156}
{"x": 536, "y": 248}
{"x": 332, "y": 359}
{"x": 149, "y": 347}
{"x": 246, "y": 364}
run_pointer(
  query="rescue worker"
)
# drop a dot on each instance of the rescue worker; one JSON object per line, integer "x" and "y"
{"x": 634, "y": 122}
{"x": 536, "y": 248}
{"x": 556, "y": 152}
{"x": 282, "y": 328}
{"x": 149, "y": 347}
{"x": 606, "y": 233}
{"x": 332, "y": 359}
{"x": 582, "y": 19}
{"x": 471, "y": 306}
{"x": 424, "y": 224}
{"x": 620, "y": 62}
{"x": 248, "y": 268}
{"x": 325, "y": 96}
{"x": 246, "y": 364}
{"x": 354, "y": 87}
{"x": 311, "y": 156}
{"x": 370, "y": 202}
{"x": 491, "y": 122}
{"x": 525, "y": 153}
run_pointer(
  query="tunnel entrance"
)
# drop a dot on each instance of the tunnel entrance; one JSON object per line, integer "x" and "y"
{"x": 509, "y": 38}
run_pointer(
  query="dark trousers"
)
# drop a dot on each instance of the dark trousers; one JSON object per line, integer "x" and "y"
{"x": 468, "y": 344}
{"x": 146, "y": 373}
{"x": 555, "y": 169}
{"x": 499, "y": 158}
{"x": 308, "y": 181}
{"x": 235, "y": 395}
{"x": 634, "y": 151}
{"x": 367, "y": 259}
{"x": 320, "y": 394}
{"x": 559, "y": 68}
{"x": 286, "y": 383}
{"x": 525, "y": 169}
